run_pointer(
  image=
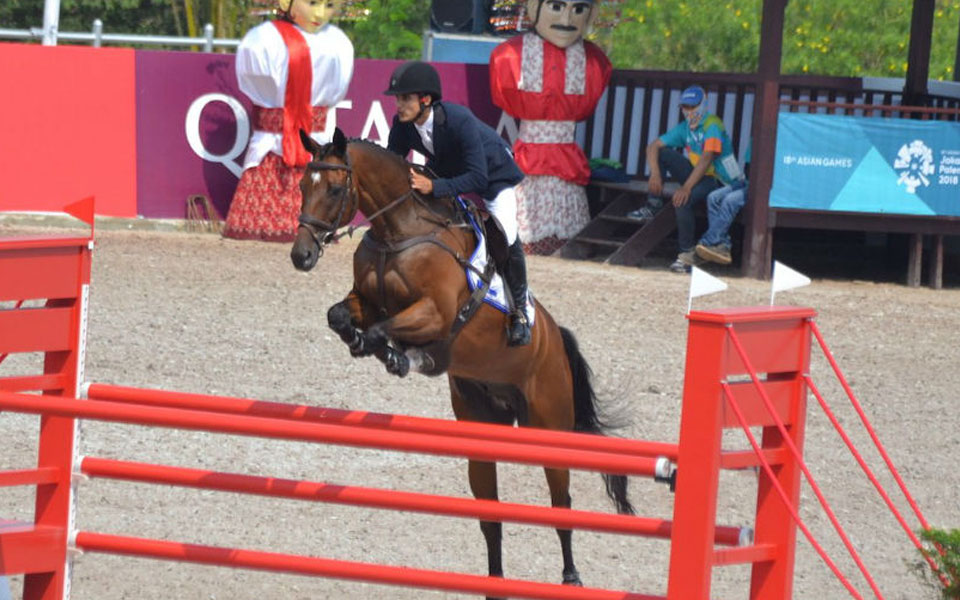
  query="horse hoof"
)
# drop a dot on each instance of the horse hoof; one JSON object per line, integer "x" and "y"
{"x": 572, "y": 579}
{"x": 398, "y": 364}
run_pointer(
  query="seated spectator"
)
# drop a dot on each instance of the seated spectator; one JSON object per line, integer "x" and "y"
{"x": 707, "y": 164}
{"x": 722, "y": 207}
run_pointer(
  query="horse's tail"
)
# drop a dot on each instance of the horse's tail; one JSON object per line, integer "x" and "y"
{"x": 587, "y": 420}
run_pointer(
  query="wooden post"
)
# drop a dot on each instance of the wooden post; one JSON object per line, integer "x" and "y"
{"x": 918, "y": 56}
{"x": 757, "y": 240}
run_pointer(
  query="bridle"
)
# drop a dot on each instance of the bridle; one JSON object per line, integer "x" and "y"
{"x": 324, "y": 233}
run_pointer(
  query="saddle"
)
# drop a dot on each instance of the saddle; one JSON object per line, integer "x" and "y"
{"x": 497, "y": 246}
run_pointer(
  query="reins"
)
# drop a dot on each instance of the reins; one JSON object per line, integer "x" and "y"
{"x": 331, "y": 232}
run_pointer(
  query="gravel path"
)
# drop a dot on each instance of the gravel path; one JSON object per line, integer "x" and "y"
{"x": 196, "y": 313}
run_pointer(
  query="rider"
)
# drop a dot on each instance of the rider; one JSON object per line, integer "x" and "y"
{"x": 468, "y": 157}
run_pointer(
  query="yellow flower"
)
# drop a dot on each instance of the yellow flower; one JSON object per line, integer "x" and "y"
{"x": 806, "y": 68}
{"x": 745, "y": 25}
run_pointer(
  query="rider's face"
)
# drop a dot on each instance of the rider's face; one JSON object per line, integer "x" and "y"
{"x": 408, "y": 107}
{"x": 311, "y": 15}
{"x": 561, "y": 22}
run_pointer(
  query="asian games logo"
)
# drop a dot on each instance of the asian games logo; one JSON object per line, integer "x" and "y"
{"x": 915, "y": 164}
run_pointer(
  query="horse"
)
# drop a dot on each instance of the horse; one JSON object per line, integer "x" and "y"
{"x": 411, "y": 307}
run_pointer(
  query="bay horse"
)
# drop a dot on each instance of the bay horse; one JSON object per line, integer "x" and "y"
{"x": 411, "y": 307}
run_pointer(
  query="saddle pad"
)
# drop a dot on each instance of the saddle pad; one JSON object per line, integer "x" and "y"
{"x": 496, "y": 296}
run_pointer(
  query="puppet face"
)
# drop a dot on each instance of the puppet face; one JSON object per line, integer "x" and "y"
{"x": 311, "y": 15}
{"x": 561, "y": 22}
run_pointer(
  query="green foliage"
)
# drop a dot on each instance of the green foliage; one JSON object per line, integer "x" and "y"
{"x": 690, "y": 35}
{"x": 823, "y": 37}
{"x": 839, "y": 37}
{"x": 390, "y": 29}
{"x": 943, "y": 547}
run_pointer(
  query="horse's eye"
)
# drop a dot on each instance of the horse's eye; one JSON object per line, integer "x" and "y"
{"x": 336, "y": 190}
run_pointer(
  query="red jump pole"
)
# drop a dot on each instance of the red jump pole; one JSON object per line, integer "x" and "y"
{"x": 334, "y": 416}
{"x": 488, "y": 510}
{"x": 346, "y": 435}
{"x": 341, "y": 569}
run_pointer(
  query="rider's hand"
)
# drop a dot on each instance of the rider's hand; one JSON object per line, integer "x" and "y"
{"x": 419, "y": 182}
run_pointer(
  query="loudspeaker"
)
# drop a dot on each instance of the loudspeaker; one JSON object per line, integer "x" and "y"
{"x": 460, "y": 16}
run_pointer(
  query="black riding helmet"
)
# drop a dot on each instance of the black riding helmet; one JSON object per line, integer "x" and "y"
{"x": 415, "y": 77}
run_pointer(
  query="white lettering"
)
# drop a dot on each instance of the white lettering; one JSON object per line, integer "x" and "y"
{"x": 818, "y": 161}
{"x": 192, "y": 126}
{"x": 376, "y": 118}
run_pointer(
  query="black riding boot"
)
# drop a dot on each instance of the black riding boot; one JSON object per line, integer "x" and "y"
{"x": 518, "y": 330}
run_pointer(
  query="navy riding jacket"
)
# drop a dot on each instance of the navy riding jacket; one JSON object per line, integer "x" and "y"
{"x": 468, "y": 157}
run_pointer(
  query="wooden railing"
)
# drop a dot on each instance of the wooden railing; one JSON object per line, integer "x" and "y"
{"x": 641, "y": 105}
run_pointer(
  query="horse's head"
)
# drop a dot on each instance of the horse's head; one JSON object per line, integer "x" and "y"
{"x": 329, "y": 198}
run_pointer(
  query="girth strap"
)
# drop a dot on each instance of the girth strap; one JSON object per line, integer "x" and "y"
{"x": 469, "y": 307}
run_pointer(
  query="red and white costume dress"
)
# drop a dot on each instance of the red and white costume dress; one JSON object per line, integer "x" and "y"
{"x": 549, "y": 89}
{"x": 293, "y": 78}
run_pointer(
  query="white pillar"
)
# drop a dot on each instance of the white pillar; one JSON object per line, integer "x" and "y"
{"x": 51, "y": 21}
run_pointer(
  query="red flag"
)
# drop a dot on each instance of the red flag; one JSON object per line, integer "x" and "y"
{"x": 81, "y": 209}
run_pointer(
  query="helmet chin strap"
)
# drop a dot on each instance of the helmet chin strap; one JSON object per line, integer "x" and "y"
{"x": 423, "y": 109}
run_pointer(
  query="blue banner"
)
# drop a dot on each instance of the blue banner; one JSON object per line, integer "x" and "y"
{"x": 860, "y": 164}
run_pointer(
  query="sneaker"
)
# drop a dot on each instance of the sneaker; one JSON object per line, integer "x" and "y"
{"x": 684, "y": 261}
{"x": 719, "y": 254}
{"x": 644, "y": 213}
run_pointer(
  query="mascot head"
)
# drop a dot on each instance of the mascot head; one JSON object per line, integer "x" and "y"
{"x": 310, "y": 15}
{"x": 561, "y": 22}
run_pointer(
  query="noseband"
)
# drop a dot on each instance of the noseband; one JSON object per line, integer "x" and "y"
{"x": 324, "y": 233}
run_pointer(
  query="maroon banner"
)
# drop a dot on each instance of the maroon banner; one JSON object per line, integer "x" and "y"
{"x": 193, "y": 123}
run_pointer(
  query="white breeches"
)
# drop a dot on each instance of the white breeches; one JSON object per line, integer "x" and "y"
{"x": 504, "y": 208}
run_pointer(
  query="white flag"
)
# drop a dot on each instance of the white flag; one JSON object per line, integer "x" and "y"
{"x": 785, "y": 278}
{"x": 703, "y": 283}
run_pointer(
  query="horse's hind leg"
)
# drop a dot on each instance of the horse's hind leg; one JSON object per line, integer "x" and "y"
{"x": 483, "y": 484}
{"x": 471, "y": 404}
{"x": 559, "y": 482}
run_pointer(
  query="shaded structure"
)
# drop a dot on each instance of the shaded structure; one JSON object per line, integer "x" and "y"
{"x": 642, "y": 103}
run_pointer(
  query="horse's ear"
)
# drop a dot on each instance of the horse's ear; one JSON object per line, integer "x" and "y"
{"x": 311, "y": 146}
{"x": 339, "y": 142}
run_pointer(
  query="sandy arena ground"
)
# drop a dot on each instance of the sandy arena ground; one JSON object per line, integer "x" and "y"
{"x": 196, "y": 313}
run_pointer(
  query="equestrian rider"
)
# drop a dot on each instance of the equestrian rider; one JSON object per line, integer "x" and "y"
{"x": 468, "y": 157}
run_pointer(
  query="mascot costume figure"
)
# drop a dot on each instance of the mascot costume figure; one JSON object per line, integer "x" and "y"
{"x": 550, "y": 78}
{"x": 295, "y": 69}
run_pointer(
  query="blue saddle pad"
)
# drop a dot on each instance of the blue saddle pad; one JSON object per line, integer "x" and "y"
{"x": 496, "y": 295}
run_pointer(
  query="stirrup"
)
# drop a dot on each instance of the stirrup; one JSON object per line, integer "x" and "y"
{"x": 518, "y": 329}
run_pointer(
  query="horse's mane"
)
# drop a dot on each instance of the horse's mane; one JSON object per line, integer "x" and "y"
{"x": 382, "y": 152}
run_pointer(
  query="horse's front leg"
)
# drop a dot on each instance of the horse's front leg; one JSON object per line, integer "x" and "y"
{"x": 345, "y": 318}
{"x": 417, "y": 325}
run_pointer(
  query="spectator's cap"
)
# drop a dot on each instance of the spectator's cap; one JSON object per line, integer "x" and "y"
{"x": 692, "y": 96}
